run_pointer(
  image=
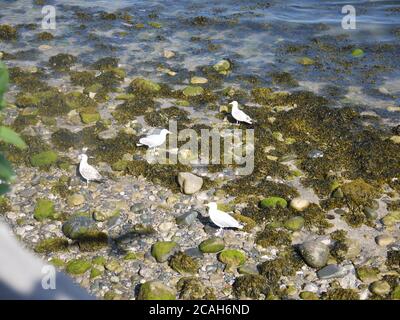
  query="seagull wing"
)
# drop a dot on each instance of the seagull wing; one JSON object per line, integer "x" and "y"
{"x": 151, "y": 141}
{"x": 224, "y": 220}
{"x": 90, "y": 173}
{"x": 241, "y": 116}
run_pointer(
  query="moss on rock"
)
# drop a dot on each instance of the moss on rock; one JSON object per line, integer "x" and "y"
{"x": 78, "y": 266}
{"x": 183, "y": 263}
{"x": 52, "y": 245}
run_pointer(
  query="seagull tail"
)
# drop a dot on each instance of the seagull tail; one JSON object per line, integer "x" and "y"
{"x": 240, "y": 226}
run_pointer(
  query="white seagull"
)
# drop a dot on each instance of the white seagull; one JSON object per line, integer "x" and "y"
{"x": 154, "y": 140}
{"x": 221, "y": 218}
{"x": 238, "y": 114}
{"x": 88, "y": 172}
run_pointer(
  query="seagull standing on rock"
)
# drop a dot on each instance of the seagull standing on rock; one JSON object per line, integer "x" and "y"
{"x": 221, "y": 218}
{"x": 88, "y": 172}
{"x": 154, "y": 140}
{"x": 238, "y": 114}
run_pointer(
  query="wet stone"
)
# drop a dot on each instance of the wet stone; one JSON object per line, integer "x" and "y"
{"x": 331, "y": 271}
{"x": 187, "y": 218}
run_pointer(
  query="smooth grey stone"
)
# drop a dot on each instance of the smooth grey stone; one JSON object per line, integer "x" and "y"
{"x": 315, "y": 154}
{"x": 331, "y": 271}
{"x": 370, "y": 213}
{"x": 314, "y": 253}
{"x": 187, "y": 218}
{"x": 194, "y": 253}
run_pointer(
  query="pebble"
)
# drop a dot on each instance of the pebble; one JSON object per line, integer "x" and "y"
{"x": 299, "y": 204}
{"x": 169, "y": 54}
{"x": 189, "y": 182}
{"x": 331, "y": 271}
{"x": 198, "y": 80}
{"x": 384, "y": 240}
{"x": 314, "y": 253}
{"x": 315, "y": 154}
{"x": 187, "y": 218}
{"x": 380, "y": 287}
{"x": 75, "y": 200}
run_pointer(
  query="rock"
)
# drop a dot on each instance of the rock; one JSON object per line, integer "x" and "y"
{"x": 381, "y": 288}
{"x": 108, "y": 134}
{"x": 162, "y": 250}
{"x": 105, "y": 215}
{"x": 156, "y": 290}
{"x": 314, "y": 253}
{"x": 198, "y": 80}
{"x": 183, "y": 263}
{"x": 52, "y": 245}
{"x": 194, "y": 253}
{"x": 187, "y": 218}
{"x": 189, "y": 183}
{"x": 43, "y": 159}
{"x": 222, "y": 66}
{"x": 145, "y": 86}
{"x": 212, "y": 245}
{"x": 305, "y": 61}
{"x": 294, "y": 224}
{"x": 308, "y": 295}
{"x": 114, "y": 266}
{"x": 78, "y": 266}
{"x": 168, "y": 54}
{"x": 391, "y": 218}
{"x": 232, "y": 257}
{"x": 272, "y": 202}
{"x": 357, "y": 53}
{"x": 75, "y": 200}
{"x": 77, "y": 226}
{"x": 299, "y": 204}
{"x": 314, "y": 154}
{"x": 331, "y": 271}
{"x": 370, "y": 213}
{"x": 367, "y": 274}
{"x": 192, "y": 91}
{"x": 248, "y": 269}
{"x": 137, "y": 207}
{"x": 44, "y": 209}
{"x": 89, "y": 117}
{"x": 396, "y": 293}
{"x": 384, "y": 240}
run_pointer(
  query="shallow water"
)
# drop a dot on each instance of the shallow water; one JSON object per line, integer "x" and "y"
{"x": 258, "y": 37}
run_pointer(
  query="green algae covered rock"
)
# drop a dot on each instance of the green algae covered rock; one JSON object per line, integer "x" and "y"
{"x": 192, "y": 91}
{"x": 232, "y": 257}
{"x": 156, "y": 290}
{"x": 44, "y": 209}
{"x": 272, "y": 202}
{"x": 44, "y": 159}
{"x": 294, "y": 223}
{"x": 222, "y": 66}
{"x": 162, "y": 250}
{"x": 78, "y": 266}
{"x": 212, "y": 245}
{"x": 90, "y": 117}
{"x": 144, "y": 86}
{"x": 52, "y": 245}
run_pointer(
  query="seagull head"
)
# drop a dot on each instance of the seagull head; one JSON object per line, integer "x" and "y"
{"x": 165, "y": 132}
{"x": 83, "y": 157}
{"x": 211, "y": 205}
{"x": 234, "y": 104}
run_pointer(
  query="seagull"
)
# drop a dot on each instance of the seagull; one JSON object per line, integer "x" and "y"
{"x": 88, "y": 172}
{"x": 154, "y": 140}
{"x": 221, "y": 218}
{"x": 239, "y": 115}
